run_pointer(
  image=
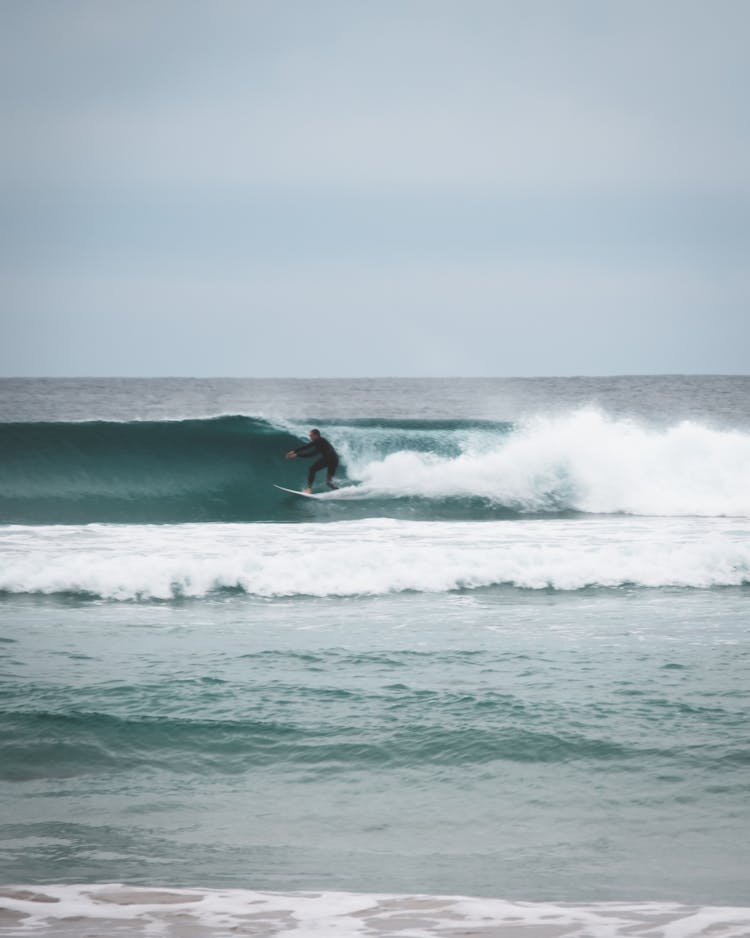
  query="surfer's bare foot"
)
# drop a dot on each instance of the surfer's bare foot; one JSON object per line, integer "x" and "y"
{"x": 307, "y": 491}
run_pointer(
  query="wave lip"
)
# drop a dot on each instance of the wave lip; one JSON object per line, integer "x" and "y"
{"x": 50, "y": 909}
{"x": 373, "y": 557}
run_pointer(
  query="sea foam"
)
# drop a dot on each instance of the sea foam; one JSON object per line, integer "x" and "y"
{"x": 583, "y": 461}
{"x": 111, "y": 908}
{"x": 372, "y": 557}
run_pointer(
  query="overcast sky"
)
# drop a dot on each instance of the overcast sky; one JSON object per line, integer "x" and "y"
{"x": 374, "y": 188}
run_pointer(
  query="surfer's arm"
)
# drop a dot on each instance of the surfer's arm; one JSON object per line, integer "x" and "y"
{"x": 307, "y": 449}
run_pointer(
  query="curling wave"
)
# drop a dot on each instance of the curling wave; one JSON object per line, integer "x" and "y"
{"x": 223, "y": 469}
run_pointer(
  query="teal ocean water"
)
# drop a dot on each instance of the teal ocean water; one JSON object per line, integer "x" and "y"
{"x": 508, "y": 660}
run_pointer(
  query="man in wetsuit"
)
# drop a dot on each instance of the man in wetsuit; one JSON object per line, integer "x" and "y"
{"x": 328, "y": 459}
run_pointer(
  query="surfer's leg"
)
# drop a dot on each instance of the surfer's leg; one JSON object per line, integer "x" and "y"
{"x": 330, "y": 473}
{"x": 317, "y": 465}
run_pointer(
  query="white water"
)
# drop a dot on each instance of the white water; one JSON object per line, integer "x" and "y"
{"x": 583, "y": 461}
{"x": 116, "y": 909}
{"x": 373, "y": 557}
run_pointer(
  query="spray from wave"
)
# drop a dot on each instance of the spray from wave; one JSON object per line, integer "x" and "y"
{"x": 582, "y": 462}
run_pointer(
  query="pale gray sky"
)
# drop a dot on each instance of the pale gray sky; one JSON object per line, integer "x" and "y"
{"x": 374, "y": 188}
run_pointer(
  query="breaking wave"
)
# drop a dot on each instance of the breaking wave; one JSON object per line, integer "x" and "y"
{"x": 370, "y": 558}
{"x": 222, "y": 469}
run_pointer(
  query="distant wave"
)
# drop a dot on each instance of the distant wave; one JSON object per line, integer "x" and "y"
{"x": 376, "y": 557}
{"x": 223, "y": 469}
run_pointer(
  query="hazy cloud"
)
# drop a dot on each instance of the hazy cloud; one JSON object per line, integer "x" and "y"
{"x": 411, "y": 188}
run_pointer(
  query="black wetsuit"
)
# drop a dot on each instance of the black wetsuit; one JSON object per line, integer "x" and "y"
{"x": 328, "y": 460}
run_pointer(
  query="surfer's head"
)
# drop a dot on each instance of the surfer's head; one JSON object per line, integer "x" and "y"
{"x": 314, "y": 434}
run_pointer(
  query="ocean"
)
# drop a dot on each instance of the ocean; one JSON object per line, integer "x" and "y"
{"x": 498, "y": 684}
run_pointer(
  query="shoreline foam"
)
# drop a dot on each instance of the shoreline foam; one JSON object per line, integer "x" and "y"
{"x": 114, "y": 909}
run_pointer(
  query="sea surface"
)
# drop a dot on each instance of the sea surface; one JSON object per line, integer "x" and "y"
{"x": 497, "y": 684}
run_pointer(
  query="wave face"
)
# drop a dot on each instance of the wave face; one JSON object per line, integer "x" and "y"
{"x": 139, "y": 472}
{"x": 223, "y": 469}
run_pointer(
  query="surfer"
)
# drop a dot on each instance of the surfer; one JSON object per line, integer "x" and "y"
{"x": 328, "y": 459}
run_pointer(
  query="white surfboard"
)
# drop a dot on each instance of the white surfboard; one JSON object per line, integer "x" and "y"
{"x": 296, "y": 492}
